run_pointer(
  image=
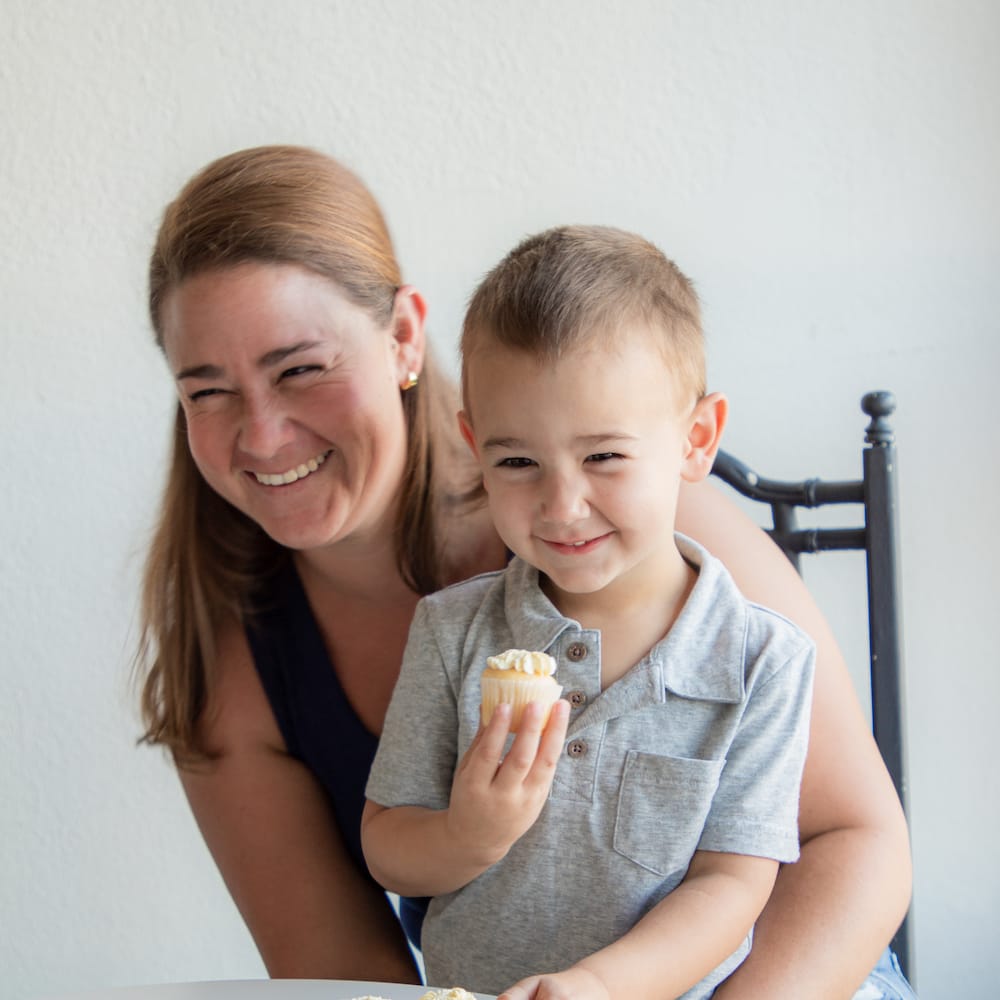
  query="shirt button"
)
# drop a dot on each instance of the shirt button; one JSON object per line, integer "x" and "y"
{"x": 577, "y": 698}
{"x": 576, "y": 748}
{"x": 576, "y": 651}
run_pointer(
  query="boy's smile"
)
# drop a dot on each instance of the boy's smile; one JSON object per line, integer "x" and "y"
{"x": 576, "y": 548}
{"x": 582, "y": 459}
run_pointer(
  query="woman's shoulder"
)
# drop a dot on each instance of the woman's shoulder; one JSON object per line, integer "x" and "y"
{"x": 470, "y": 544}
{"x": 464, "y": 597}
{"x": 237, "y": 714}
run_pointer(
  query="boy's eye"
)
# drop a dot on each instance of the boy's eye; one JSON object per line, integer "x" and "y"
{"x": 299, "y": 370}
{"x": 603, "y": 456}
{"x": 514, "y": 463}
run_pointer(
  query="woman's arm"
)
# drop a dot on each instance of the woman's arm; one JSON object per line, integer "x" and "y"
{"x": 833, "y": 912}
{"x": 310, "y": 910}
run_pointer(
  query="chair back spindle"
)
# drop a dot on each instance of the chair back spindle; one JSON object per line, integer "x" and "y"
{"x": 876, "y": 492}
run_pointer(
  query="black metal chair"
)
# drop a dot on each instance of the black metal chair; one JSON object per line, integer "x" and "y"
{"x": 877, "y": 537}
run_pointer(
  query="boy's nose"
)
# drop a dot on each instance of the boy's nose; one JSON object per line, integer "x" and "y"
{"x": 563, "y": 500}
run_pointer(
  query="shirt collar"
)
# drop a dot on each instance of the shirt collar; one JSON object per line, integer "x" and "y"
{"x": 534, "y": 620}
{"x": 703, "y": 653}
{"x": 702, "y": 657}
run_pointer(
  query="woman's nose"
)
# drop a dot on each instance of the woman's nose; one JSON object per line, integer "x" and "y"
{"x": 264, "y": 429}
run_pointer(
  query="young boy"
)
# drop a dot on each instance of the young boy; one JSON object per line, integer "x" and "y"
{"x": 625, "y": 847}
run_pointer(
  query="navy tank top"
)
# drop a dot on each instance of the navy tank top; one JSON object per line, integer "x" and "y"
{"x": 317, "y": 722}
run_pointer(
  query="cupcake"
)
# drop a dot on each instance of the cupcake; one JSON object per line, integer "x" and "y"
{"x": 517, "y": 677}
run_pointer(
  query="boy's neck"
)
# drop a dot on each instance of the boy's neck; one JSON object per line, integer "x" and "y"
{"x": 632, "y": 614}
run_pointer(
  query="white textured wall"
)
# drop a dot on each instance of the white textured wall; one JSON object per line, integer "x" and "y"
{"x": 827, "y": 172}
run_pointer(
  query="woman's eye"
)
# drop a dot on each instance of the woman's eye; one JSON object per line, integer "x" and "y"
{"x": 203, "y": 394}
{"x": 514, "y": 463}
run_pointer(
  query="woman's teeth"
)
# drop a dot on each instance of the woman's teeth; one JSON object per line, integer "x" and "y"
{"x": 299, "y": 472}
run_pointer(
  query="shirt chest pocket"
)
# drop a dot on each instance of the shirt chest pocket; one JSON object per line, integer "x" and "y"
{"x": 663, "y": 803}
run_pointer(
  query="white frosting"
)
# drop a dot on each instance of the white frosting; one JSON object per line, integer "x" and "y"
{"x": 527, "y": 662}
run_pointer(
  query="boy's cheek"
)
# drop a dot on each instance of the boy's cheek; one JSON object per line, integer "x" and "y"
{"x": 507, "y": 515}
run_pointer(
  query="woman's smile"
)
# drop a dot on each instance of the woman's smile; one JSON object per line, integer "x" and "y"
{"x": 291, "y": 475}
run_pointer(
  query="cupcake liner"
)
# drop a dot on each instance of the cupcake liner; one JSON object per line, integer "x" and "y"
{"x": 517, "y": 693}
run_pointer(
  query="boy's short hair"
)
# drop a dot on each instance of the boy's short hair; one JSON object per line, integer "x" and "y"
{"x": 574, "y": 285}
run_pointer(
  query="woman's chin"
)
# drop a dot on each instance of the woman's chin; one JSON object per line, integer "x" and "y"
{"x": 298, "y": 533}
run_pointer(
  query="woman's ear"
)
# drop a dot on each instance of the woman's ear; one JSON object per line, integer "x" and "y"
{"x": 707, "y": 422}
{"x": 409, "y": 339}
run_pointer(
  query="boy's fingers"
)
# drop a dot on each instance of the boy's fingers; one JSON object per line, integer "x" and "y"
{"x": 554, "y": 735}
{"x": 524, "y": 990}
{"x": 524, "y": 750}
{"x": 535, "y": 754}
{"x": 550, "y": 745}
{"x": 486, "y": 750}
{"x": 478, "y": 767}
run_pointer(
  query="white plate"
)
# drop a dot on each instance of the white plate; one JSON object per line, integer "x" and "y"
{"x": 259, "y": 989}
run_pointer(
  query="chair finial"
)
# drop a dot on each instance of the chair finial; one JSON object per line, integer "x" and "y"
{"x": 879, "y": 405}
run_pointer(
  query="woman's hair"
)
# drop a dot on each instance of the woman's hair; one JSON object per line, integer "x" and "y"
{"x": 574, "y": 285}
{"x": 271, "y": 205}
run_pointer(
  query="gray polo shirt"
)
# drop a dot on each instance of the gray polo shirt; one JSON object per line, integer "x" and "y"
{"x": 700, "y": 746}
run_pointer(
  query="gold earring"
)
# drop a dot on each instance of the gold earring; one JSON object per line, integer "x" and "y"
{"x": 412, "y": 378}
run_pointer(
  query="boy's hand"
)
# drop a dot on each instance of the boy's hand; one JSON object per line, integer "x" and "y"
{"x": 495, "y": 799}
{"x": 574, "y": 984}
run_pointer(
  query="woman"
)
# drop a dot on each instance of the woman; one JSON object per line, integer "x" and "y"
{"x": 317, "y": 488}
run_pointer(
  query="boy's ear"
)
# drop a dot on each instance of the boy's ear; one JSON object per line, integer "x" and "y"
{"x": 409, "y": 339}
{"x": 704, "y": 436}
{"x": 465, "y": 426}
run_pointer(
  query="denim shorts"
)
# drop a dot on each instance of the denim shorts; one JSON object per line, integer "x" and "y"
{"x": 886, "y": 981}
